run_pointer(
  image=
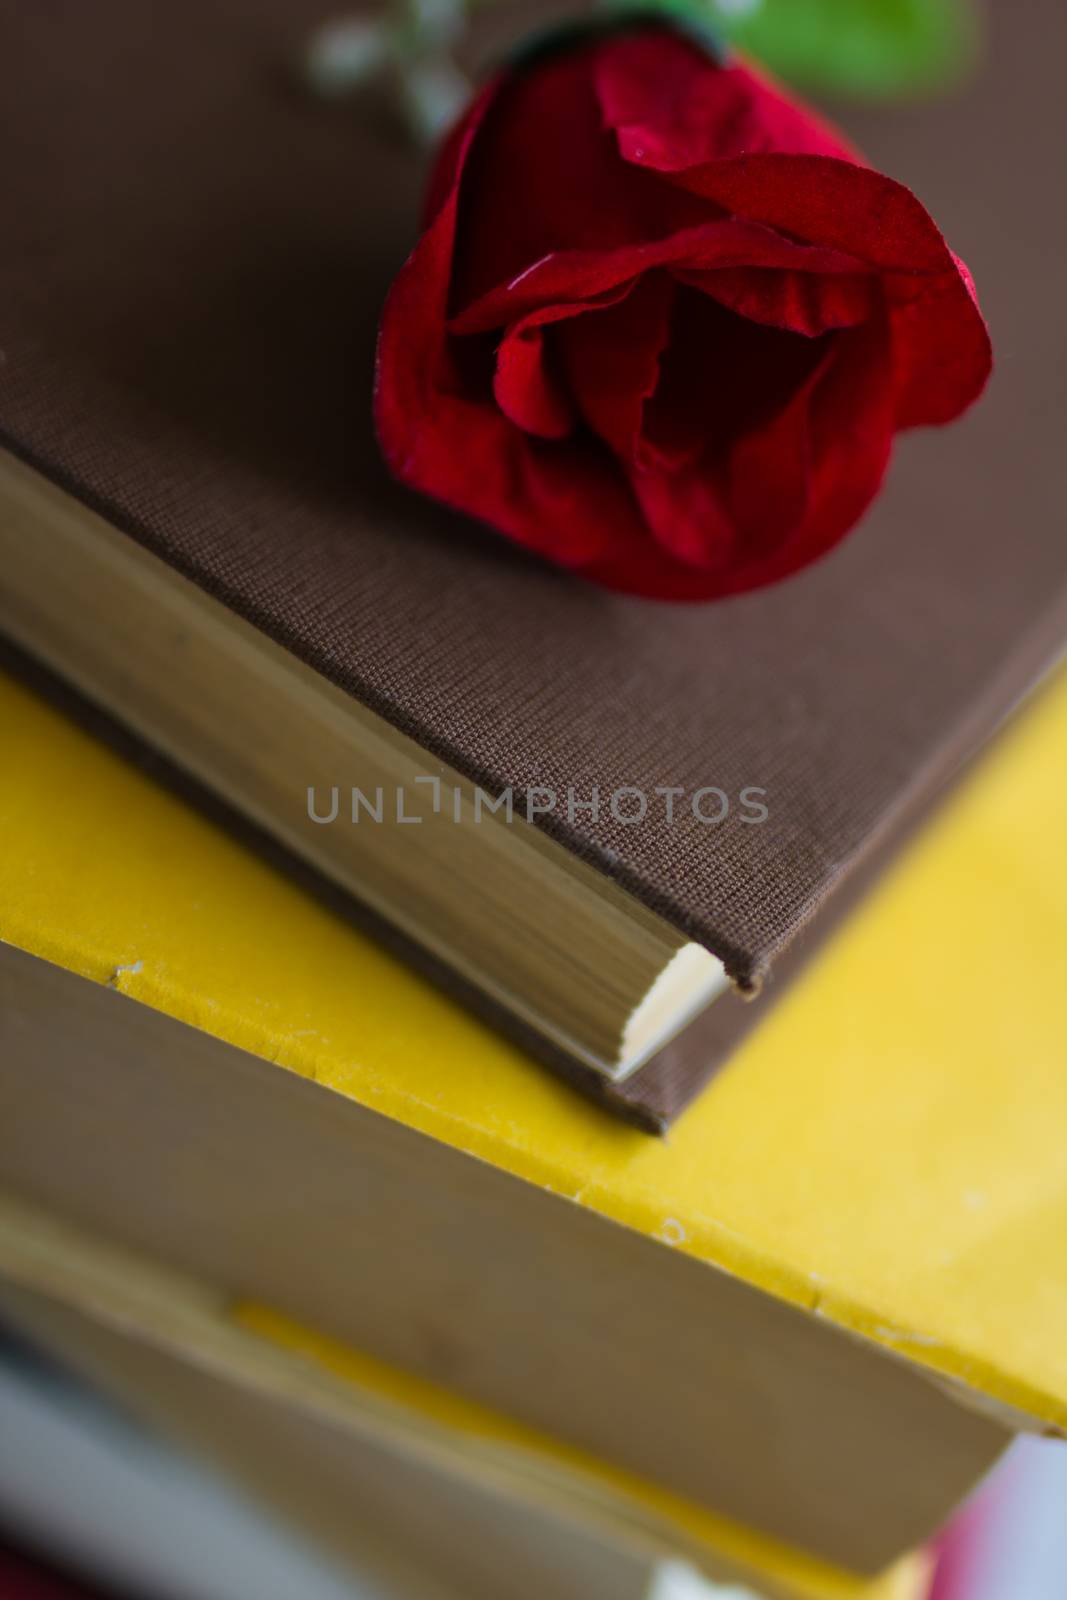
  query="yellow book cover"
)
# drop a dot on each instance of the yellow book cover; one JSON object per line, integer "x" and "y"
{"x": 351, "y": 1449}
{"x": 885, "y": 1153}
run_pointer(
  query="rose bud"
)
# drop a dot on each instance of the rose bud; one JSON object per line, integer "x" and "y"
{"x": 663, "y": 324}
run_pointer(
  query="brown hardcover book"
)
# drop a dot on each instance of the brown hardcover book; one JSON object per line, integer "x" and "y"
{"x": 196, "y": 529}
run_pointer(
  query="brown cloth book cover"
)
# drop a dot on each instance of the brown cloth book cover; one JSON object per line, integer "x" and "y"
{"x": 193, "y": 255}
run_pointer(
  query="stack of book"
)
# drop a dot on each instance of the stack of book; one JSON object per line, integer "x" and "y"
{"x": 105, "y": 1508}
{"x": 360, "y": 1263}
{"x": 395, "y": 1112}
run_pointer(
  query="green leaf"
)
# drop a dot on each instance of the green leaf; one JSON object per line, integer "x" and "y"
{"x": 873, "y": 48}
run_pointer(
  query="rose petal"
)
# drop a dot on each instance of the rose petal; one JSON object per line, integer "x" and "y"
{"x": 850, "y": 429}
{"x": 769, "y": 475}
{"x": 810, "y": 303}
{"x": 546, "y": 174}
{"x": 720, "y": 376}
{"x": 583, "y": 274}
{"x": 672, "y": 106}
{"x": 850, "y": 433}
{"x": 524, "y": 388}
{"x": 454, "y": 149}
{"x": 414, "y": 359}
{"x": 565, "y": 500}
{"x": 740, "y": 502}
{"x": 941, "y": 349}
{"x": 525, "y": 392}
{"x": 612, "y": 359}
{"x": 827, "y": 202}
{"x": 687, "y": 515}
{"x": 727, "y": 538}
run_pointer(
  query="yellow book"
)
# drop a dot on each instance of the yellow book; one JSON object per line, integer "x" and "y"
{"x": 836, "y": 1289}
{"x": 392, "y": 1475}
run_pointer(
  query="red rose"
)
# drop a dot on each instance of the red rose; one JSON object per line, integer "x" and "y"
{"x": 662, "y": 324}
